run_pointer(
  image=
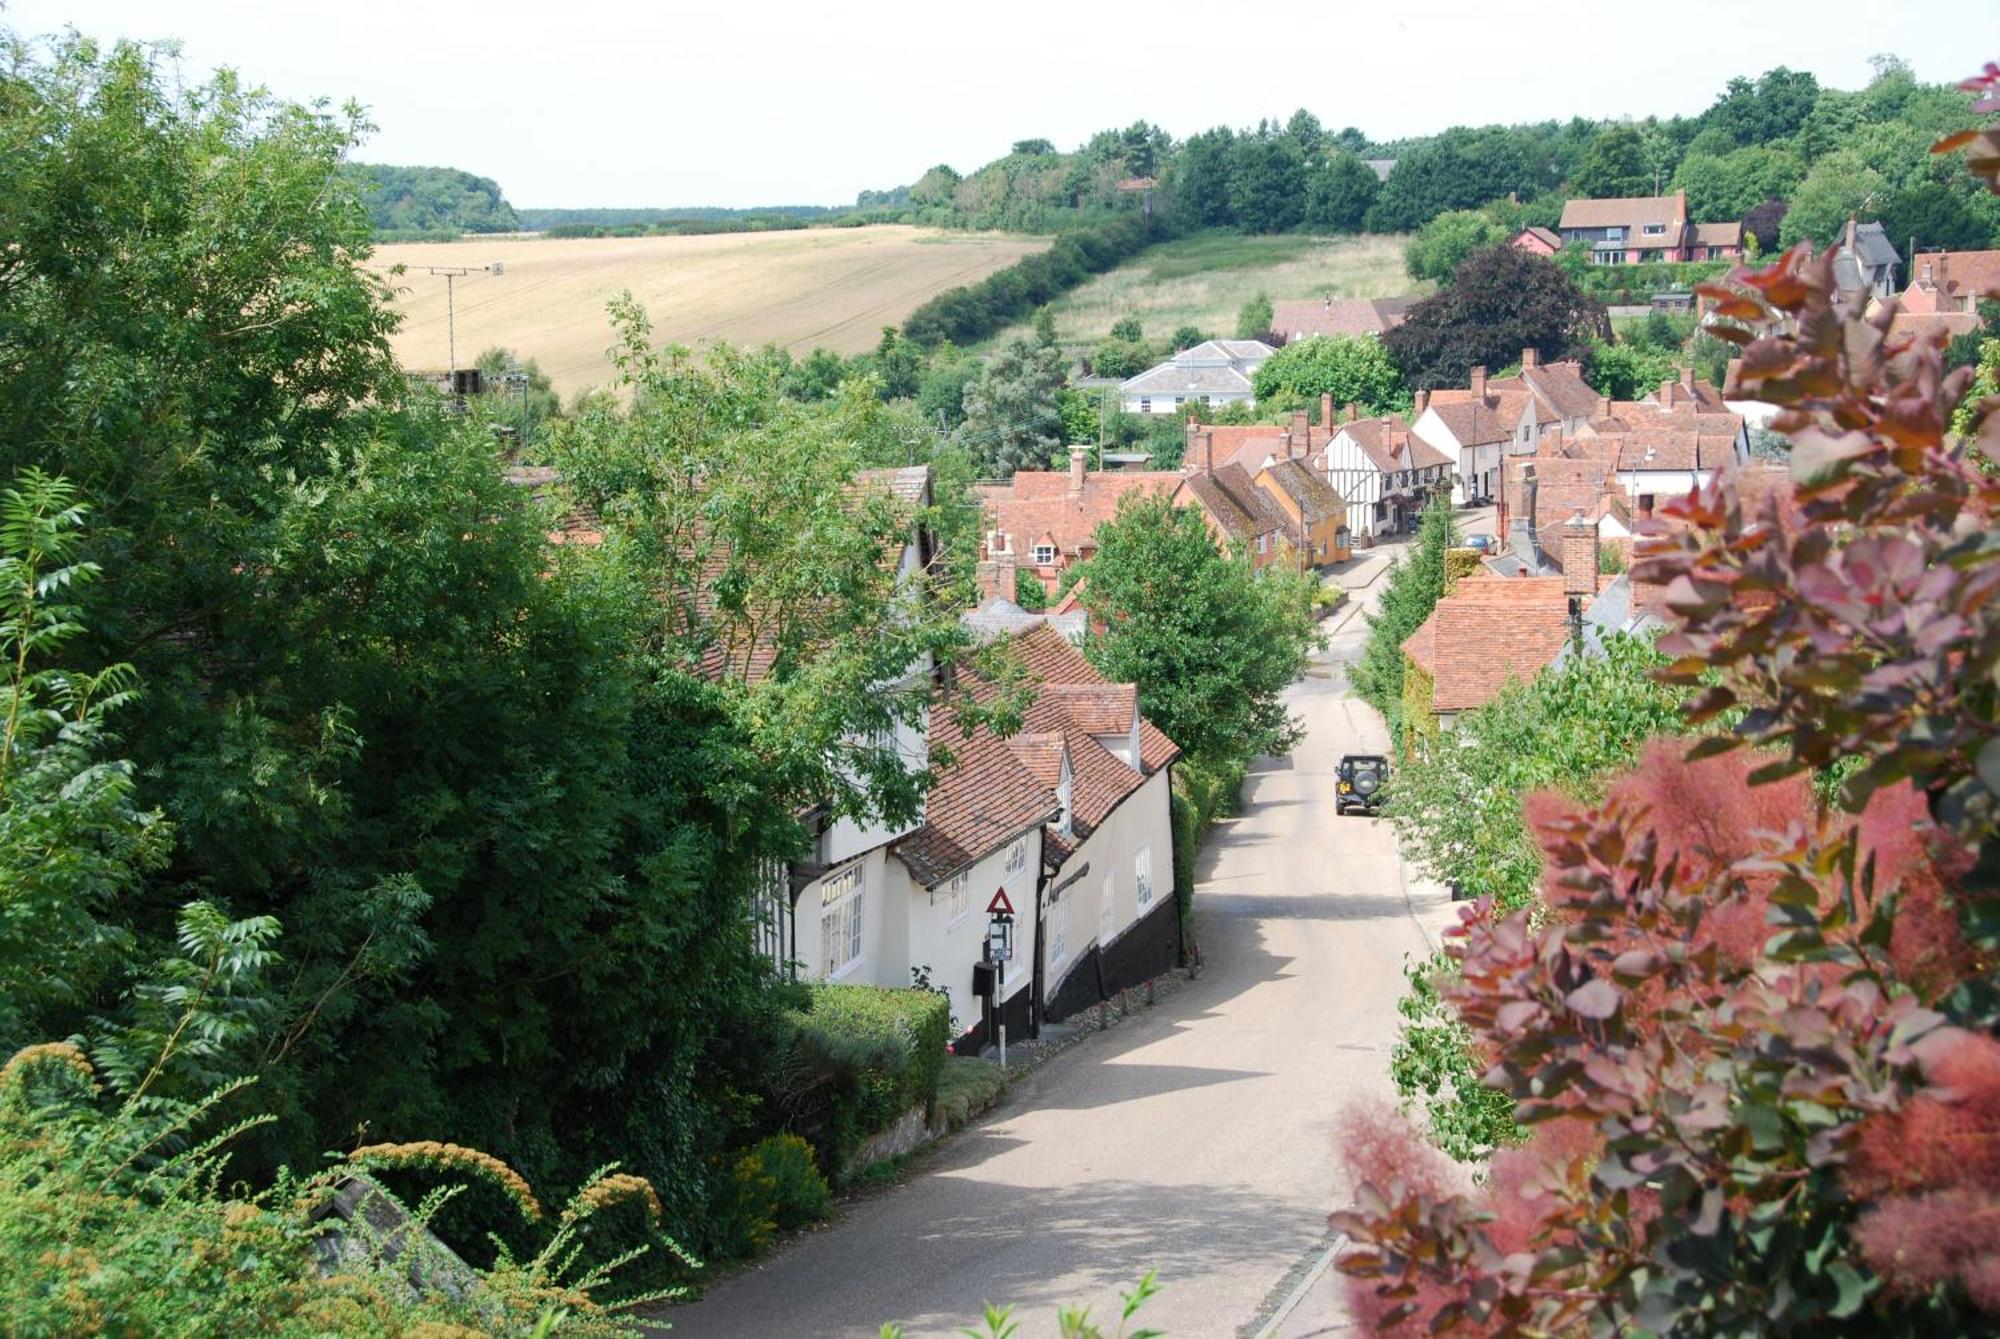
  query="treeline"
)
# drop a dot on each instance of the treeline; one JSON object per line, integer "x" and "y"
{"x": 412, "y": 203}
{"x": 1821, "y": 152}
{"x": 541, "y": 220}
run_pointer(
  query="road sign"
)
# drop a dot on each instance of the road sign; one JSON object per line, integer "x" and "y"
{"x": 1000, "y": 939}
{"x": 1000, "y": 906}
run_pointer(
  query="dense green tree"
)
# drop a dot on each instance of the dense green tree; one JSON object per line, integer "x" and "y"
{"x": 1338, "y": 193}
{"x": 897, "y": 364}
{"x": 1304, "y": 130}
{"x": 1772, "y": 107}
{"x": 1353, "y": 369}
{"x": 1628, "y": 371}
{"x": 1724, "y": 189}
{"x": 1436, "y": 250}
{"x": 1460, "y": 169}
{"x": 430, "y": 201}
{"x": 1253, "y": 321}
{"x": 1614, "y": 165}
{"x": 1267, "y": 184}
{"x": 1045, "y": 325}
{"x": 941, "y": 395}
{"x": 1763, "y": 224}
{"x": 1186, "y": 337}
{"x": 1840, "y": 184}
{"x": 1119, "y": 358}
{"x": 1211, "y": 643}
{"x": 1415, "y": 583}
{"x": 1201, "y": 178}
{"x": 1011, "y": 418}
{"x": 1128, "y": 328}
{"x": 1032, "y": 148}
{"x": 519, "y": 395}
{"x": 1500, "y": 301}
{"x": 1936, "y": 217}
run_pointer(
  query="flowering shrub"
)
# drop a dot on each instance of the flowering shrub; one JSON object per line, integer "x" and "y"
{"x": 1752, "y": 1037}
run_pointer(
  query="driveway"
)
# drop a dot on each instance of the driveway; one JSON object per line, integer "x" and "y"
{"x": 1195, "y": 1139}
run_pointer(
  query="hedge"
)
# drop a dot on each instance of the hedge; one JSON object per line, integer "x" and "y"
{"x": 858, "y": 1058}
{"x": 974, "y": 311}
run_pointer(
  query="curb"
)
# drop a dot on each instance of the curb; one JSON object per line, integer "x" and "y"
{"x": 1305, "y": 1285}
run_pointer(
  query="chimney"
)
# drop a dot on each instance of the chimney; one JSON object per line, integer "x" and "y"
{"x": 1079, "y": 459}
{"x": 1301, "y": 422}
{"x": 1848, "y": 239}
{"x": 1667, "y": 389}
{"x": 1419, "y": 404}
{"x": 1530, "y": 358}
{"x": 1687, "y": 380}
{"x": 1520, "y": 532}
{"x": 1326, "y": 413}
{"x": 1354, "y": 410}
{"x": 1208, "y": 452}
{"x": 1579, "y": 556}
{"x": 1479, "y": 382}
{"x": 1604, "y": 406}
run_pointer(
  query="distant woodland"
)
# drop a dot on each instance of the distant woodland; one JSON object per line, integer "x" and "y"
{"x": 412, "y": 203}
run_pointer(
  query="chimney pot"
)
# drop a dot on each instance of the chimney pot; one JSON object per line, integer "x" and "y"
{"x": 1419, "y": 404}
{"x": 1604, "y": 406}
{"x": 1326, "y": 412}
{"x": 1301, "y": 420}
{"x": 1479, "y": 382}
{"x": 1079, "y": 457}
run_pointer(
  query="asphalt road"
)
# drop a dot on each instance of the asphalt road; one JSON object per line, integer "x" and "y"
{"x": 1195, "y": 1139}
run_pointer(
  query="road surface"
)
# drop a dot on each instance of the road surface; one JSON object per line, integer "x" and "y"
{"x": 1195, "y": 1139}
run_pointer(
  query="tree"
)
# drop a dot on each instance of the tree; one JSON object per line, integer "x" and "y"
{"x": 1937, "y": 217}
{"x": 1267, "y": 184}
{"x": 1128, "y": 328}
{"x": 1460, "y": 169}
{"x": 1614, "y": 165}
{"x": 1338, "y": 193}
{"x": 1253, "y": 320}
{"x": 1416, "y": 582}
{"x": 1438, "y": 248}
{"x": 1011, "y": 418}
{"x": 1761, "y": 999}
{"x": 1763, "y": 223}
{"x": 942, "y": 393}
{"x": 1626, "y": 371}
{"x": 1186, "y": 337}
{"x": 1211, "y": 643}
{"x": 1119, "y": 358}
{"x": 1032, "y": 148}
{"x": 1725, "y": 188}
{"x": 1840, "y": 185}
{"x": 1353, "y": 369}
{"x": 1201, "y": 178}
{"x": 1500, "y": 301}
{"x": 1771, "y": 108}
{"x": 1305, "y": 131}
{"x": 1045, "y": 326}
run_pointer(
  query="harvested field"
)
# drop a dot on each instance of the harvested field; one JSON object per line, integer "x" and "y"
{"x": 835, "y": 287}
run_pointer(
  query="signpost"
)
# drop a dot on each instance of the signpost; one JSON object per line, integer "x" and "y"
{"x": 999, "y": 952}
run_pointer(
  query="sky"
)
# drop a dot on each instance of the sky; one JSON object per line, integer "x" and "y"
{"x": 575, "y": 103}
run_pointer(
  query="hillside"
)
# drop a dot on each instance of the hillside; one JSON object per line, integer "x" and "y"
{"x": 431, "y": 201}
{"x": 834, "y": 287}
{"x": 1204, "y": 281}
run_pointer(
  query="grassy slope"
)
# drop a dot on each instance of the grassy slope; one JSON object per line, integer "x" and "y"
{"x": 1204, "y": 280}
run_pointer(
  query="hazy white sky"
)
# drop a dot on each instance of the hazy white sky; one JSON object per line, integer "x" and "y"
{"x": 744, "y": 102}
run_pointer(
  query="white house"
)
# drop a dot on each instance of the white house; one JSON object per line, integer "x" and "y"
{"x": 1384, "y": 470}
{"x": 1218, "y": 372}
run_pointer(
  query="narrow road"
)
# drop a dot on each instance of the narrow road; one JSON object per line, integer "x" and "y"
{"x": 1195, "y": 1139}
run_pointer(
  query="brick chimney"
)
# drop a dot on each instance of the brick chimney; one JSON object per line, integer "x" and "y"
{"x": 1419, "y": 404}
{"x": 1208, "y": 452}
{"x": 1079, "y": 460}
{"x": 1354, "y": 410}
{"x": 1604, "y": 406}
{"x": 1301, "y": 423}
{"x": 1579, "y": 556}
{"x": 1520, "y": 532}
{"x": 1530, "y": 358}
{"x": 1326, "y": 413}
{"x": 1668, "y": 390}
{"x": 1479, "y": 382}
{"x": 997, "y": 573}
{"x": 1687, "y": 381}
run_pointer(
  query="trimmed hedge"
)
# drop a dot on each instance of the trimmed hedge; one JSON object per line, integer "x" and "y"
{"x": 974, "y": 311}
{"x": 856, "y": 1060}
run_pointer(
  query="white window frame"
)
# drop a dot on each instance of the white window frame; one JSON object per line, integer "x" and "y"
{"x": 1263, "y": 543}
{"x": 1655, "y": 230}
{"x": 957, "y": 892}
{"x": 1059, "y": 933}
{"x": 1017, "y": 856}
{"x": 1142, "y": 875}
{"x": 1045, "y": 555}
{"x": 1145, "y": 404}
{"x": 1107, "y": 911}
{"x": 841, "y": 922}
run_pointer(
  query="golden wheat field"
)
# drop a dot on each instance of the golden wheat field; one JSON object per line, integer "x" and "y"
{"x": 825, "y": 286}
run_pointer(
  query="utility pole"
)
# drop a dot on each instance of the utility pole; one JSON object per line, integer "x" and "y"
{"x": 519, "y": 381}
{"x": 452, "y": 274}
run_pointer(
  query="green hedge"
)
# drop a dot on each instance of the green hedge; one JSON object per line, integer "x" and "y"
{"x": 972, "y": 312}
{"x": 856, "y": 1060}
{"x": 1634, "y": 285}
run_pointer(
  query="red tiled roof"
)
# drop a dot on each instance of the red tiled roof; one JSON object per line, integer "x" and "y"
{"x": 1492, "y": 629}
{"x": 1041, "y": 753}
{"x": 984, "y": 800}
{"x": 1718, "y": 234}
{"x": 1239, "y": 507}
{"x": 1305, "y": 318}
{"x": 1958, "y": 275}
{"x": 1391, "y": 447}
{"x": 1039, "y": 503}
{"x": 1946, "y": 324}
{"x": 1421, "y": 645}
{"x": 1051, "y": 659}
{"x": 1097, "y": 708}
{"x": 1630, "y": 212}
{"x": 1561, "y": 387}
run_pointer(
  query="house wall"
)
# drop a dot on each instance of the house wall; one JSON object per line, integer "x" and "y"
{"x": 1102, "y": 907}
{"x": 846, "y": 839}
{"x": 950, "y": 942}
{"x": 1353, "y": 475}
{"x": 1161, "y": 404}
{"x": 1662, "y": 484}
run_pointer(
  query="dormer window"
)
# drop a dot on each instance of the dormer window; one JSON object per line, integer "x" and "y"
{"x": 1656, "y": 229}
{"x": 1045, "y": 555}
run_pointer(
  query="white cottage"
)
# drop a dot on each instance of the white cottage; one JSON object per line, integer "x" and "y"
{"x": 1384, "y": 470}
{"x": 1218, "y": 372}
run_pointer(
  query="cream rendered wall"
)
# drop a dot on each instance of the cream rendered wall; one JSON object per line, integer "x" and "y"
{"x": 1353, "y": 475}
{"x": 950, "y": 944}
{"x": 1141, "y": 821}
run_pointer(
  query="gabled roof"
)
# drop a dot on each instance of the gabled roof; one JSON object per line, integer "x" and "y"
{"x": 1176, "y": 379}
{"x": 1626, "y": 211}
{"x": 1873, "y": 247}
{"x": 1718, "y": 234}
{"x": 911, "y": 483}
{"x": 1957, "y": 274}
{"x": 1477, "y": 422}
{"x": 1305, "y": 318}
{"x": 1050, "y": 659}
{"x": 1098, "y": 708}
{"x": 1039, "y": 502}
{"x": 1544, "y": 235}
{"x": 984, "y": 800}
{"x": 1561, "y": 388}
{"x": 1234, "y": 502}
{"x": 1491, "y": 629}
{"x": 1309, "y": 491}
{"x": 1391, "y": 447}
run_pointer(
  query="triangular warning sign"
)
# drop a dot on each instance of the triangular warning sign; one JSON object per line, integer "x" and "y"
{"x": 1000, "y": 906}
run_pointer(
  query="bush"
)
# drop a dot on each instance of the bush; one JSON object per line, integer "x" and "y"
{"x": 975, "y": 311}
{"x": 774, "y": 1187}
{"x": 853, "y": 1062}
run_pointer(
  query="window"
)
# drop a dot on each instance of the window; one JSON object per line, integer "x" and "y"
{"x": 840, "y": 921}
{"x": 1179, "y": 401}
{"x": 1263, "y": 543}
{"x": 1017, "y": 856}
{"x": 1059, "y": 932}
{"x": 959, "y": 894}
{"x": 1106, "y": 912}
{"x": 1142, "y": 876}
{"x": 1656, "y": 230}
{"x": 1614, "y": 234}
{"x": 1145, "y": 404}
{"x": 1045, "y": 555}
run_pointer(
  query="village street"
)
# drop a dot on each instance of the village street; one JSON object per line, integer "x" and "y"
{"x": 1197, "y": 1138}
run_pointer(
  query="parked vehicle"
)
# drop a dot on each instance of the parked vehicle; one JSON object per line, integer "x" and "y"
{"x": 1364, "y": 777}
{"x": 1482, "y": 543}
